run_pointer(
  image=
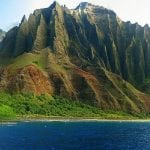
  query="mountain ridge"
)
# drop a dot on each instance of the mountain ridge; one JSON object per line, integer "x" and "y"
{"x": 86, "y": 53}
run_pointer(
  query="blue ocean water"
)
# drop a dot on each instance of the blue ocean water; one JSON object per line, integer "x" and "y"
{"x": 75, "y": 135}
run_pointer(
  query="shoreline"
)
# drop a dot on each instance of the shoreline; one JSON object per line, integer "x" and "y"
{"x": 67, "y": 119}
{"x": 83, "y": 120}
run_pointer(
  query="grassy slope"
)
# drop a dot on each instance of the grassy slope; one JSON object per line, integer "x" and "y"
{"x": 39, "y": 59}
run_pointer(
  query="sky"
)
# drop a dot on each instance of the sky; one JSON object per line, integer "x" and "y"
{"x": 11, "y": 11}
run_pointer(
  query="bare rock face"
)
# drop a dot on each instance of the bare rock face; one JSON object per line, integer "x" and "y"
{"x": 86, "y": 54}
{"x": 28, "y": 79}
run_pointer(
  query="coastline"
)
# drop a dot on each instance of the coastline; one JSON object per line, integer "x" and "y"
{"x": 67, "y": 119}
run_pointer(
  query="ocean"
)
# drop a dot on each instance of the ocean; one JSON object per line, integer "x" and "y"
{"x": 69, "y": 135}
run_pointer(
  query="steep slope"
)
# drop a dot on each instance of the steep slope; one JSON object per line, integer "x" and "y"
{"x": 86, "y": 53}
{"x": 2, "y": 35}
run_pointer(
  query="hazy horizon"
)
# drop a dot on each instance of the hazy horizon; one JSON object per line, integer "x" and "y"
{"x": 129, "y": 10}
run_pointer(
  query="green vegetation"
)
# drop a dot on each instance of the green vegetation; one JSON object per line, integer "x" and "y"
{"x": 38, "y": 59}
{"x": 6, "y": 113}
{"x": 45, "y": 105}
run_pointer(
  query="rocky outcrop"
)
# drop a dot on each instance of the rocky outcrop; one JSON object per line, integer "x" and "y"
{"x": 27, "y": 80}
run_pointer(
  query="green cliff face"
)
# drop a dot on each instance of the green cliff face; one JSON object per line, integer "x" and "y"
{"x": 87, "y": 53}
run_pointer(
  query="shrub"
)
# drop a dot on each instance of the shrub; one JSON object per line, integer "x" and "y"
{"x": 6, "y": 112}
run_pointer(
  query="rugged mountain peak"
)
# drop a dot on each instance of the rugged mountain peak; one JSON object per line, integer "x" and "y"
{"x": 55, "y": 5}
{"x": 37, "y": 12}
{"x": 86, "y": 5}
{"x": 90, "y": 8}
{"x": 146, "y": 27}
{"x": 83, "y": 5}
{"x": 24, "y": 19}
{"x": 85, "y": 53}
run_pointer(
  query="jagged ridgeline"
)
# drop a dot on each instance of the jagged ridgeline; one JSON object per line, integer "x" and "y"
{"x": 86, "y": 53}
{"x": 2, "y": 35}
